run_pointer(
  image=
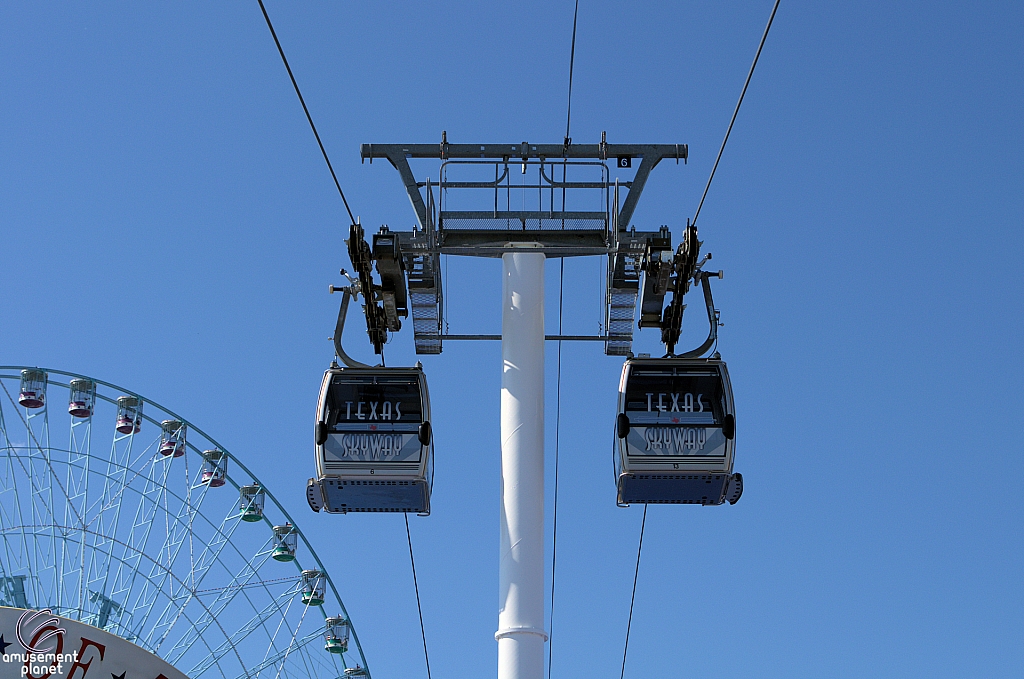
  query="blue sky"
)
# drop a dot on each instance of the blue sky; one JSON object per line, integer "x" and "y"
{"x": 167, "y": 224}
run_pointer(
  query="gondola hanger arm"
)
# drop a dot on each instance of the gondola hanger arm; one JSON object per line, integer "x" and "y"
{"x": 709, "y": 304}
{"x": 348, "y": 292}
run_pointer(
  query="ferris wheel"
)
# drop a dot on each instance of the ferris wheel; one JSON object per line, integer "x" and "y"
{"x": 118, "y": 513}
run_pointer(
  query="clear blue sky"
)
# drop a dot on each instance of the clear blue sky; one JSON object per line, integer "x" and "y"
{"x": 167, "y": 224}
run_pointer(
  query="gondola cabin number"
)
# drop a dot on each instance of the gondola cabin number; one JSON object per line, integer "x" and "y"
{"x": 669, "y": 402}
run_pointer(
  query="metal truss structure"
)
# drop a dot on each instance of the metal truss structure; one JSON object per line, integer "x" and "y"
{"x": 475, "y": 207}
{"x": 130, "y": 518}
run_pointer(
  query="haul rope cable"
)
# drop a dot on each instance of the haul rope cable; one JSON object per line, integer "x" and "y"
{"x": 736, "y": 112}
{"x": 302, "y": 101}
{"x": 632, "y": 598}
{"x": 334, "y": 176}
{"x": 643, "y": 522}
{"x": 416, "y": 585}
{"x": 558, "y": 382}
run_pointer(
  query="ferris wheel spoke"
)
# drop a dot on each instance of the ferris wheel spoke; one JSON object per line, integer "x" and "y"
{"x": 41, "y": 441}
{"x": 222, "y": 631}
{"x": 247, "y": 576}
{"x": 181, "y": 522}
{"x": 107, "y": 518}
{"x": 192, "y": 623}
{"x": 75, "y": 480}
{"x": 78, "y": 494}
{"x": 114, "y": 501}
{"x": 110, "y": 499}
{"x": 255, "y": 623}
{"x": 40, "y": 464}
{"x": 211, "y": 553}
{"x": 280, "y": 656}
{"x": 192, "y": 508}
{"x": 272, "y": 661}
{"x": 18, "y": 559}
{"x": 224, "y": 597}
{"x": 282, "y": 623}
{"x": 78, "y": 469}
{"x": 30, "y": 558}
{"x": 138, "y": 535}
{"x": 31, "y": 548}
{"x": 151, "y": 499}
{"x": 179, "y": 528}
{"x": 70, "y": 574}
{"x": 211, "y": 556}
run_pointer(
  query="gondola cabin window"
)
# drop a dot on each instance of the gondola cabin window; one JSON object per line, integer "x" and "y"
{"x": 373, "y": 418}
{"x": 369, "y": 399}
{"x": 675, "y": 411}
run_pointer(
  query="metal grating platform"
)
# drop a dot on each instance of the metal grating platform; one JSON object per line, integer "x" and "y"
{"x": 623, "y": 287}
{"x": 423, "y": 269}
{"x": 523, "y": 221}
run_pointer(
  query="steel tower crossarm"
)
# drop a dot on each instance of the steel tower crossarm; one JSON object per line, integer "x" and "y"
{"x": 649, "y": 154}
{"x": 570, "y": 228}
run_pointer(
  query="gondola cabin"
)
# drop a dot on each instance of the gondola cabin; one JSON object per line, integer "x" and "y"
{"x": 675, "y": 433}
{"x": 129, "y": 415}
{"x": 172, "y": 438}
{"x": 336, "y": 631}
{"x": 286, "y": 539}
{"x": 313, "y": 584}
{"x": 82, "y": 398}
{"x": 373, "y": 442}
{"x": 215, "y": 468}
{"x": 250, "y": 502}
{"x": 32, "y": 393}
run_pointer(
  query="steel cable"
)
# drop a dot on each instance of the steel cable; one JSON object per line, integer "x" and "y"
{"x": 572, "y": 61}
{"x": 736, "y": 112}
{"x": 558, "y": 426}
{"x": 632, "y": 598}
{"x": 558, "y": 382}
{"x": 415, "y": 584}
{"x": 309, "y": 118}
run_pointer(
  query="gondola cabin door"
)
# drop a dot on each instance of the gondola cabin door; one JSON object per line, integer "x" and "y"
{"x": 373, "y": 441}
{"x": 675, "y": 431}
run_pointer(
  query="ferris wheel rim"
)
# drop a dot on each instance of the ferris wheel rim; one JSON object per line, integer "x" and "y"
{"x": 230, "y": 456}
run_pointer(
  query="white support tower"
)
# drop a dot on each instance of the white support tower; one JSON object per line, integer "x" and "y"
{"x": 521, "y": 634}
{"x": 587, "y": 212}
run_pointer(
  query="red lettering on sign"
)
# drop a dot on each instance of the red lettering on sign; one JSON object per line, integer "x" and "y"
{"x": 84, "y": 666}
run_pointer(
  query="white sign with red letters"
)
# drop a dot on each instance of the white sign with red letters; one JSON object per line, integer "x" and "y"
{"x": 40, "y": 645}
